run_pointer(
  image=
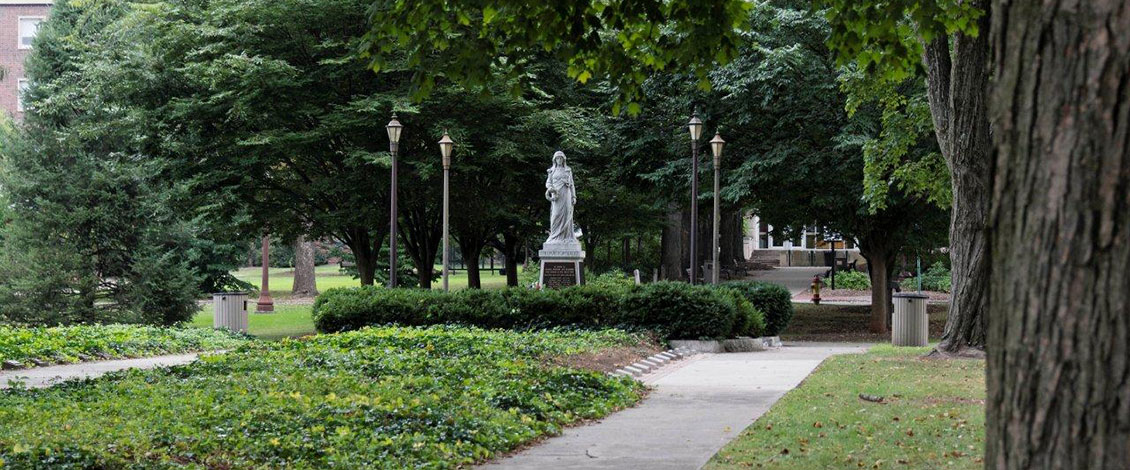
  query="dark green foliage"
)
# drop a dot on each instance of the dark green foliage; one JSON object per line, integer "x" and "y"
{"x": 852, "y": 280}
{"x": 65, "y": 344}
{"x": 96, "y": 231}
{"x": 381, "y": 398}
{"x": 681, "y": 311}
{"x": 885, "y": 38}
{"x": 773, "y": 300}
{"x": 937, "y": 278}
{"x": 475, "y": 43}
{"x": 675, "y": 310}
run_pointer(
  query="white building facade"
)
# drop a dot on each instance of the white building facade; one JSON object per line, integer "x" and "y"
{"x": 811, "y": 246}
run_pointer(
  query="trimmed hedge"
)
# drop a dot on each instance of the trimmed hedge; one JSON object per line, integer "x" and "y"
{"x": 675, "y": 310}
{"x": 774, "y": 301}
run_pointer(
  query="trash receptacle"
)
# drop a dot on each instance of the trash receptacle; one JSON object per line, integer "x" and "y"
{"x": 910, "y": 325}
{"x": 230, "y": 311}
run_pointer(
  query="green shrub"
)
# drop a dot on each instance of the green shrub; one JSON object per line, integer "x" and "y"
{"x": 65, "y": 344}
{"x": 852, "y": 280}
{"x": 750, "y": 321}
{"x": 614, "y": 278}
{"x": 379, "y": 398}
{"x": 677, "y": 310}
{"x": 937, "y": 279}
{"x": 772, "y": 300}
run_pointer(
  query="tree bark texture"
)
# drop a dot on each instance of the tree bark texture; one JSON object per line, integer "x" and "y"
{"x": 1059, "y": 311}
{"x": 471, "y": 243}
{"x": 730, "y": 244}
{"x": 422, "y": 231}
{"x": 305, "y": 284}
{"x": 366, "y": 247}
{"x": 957, "y": 88}
{"x": 880, "y": 264}
{"x": 511, "y": 248}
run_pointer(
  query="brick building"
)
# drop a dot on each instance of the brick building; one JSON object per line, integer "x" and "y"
{"x": 19, "y": 20}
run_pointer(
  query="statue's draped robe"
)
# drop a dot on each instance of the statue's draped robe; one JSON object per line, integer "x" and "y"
{"x": 560, "y": 182}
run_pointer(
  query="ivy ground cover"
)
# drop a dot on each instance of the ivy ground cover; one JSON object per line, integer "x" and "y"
{"x": 66, "y": 344}
{"x": 377, "y": 398}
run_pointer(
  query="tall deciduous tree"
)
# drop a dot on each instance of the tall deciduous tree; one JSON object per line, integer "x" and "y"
{"x": 891, "y": 40}
{"x": 1059, "y": 327}
{"x": 475, "y": 43}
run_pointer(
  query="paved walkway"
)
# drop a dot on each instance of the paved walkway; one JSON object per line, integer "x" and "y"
{"x": 41, "y": 377}
{"x": 795, "y": 279}
{"x": 697, "y": 407}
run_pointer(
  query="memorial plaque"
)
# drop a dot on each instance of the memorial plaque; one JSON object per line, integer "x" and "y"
{"x": 556, "y": 275}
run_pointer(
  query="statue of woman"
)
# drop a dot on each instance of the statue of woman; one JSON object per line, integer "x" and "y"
{"x": 562, "y": 195}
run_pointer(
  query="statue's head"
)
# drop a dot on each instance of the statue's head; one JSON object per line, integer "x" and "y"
{"x": 559, "y": 158}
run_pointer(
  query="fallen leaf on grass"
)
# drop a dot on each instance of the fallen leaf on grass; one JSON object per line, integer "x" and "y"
{"x": 871, "y": 398}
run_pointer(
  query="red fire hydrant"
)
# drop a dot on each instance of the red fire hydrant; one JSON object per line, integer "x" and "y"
{"x": 816, "y": 282}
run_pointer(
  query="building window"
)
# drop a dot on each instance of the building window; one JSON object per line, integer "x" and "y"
{"x": 21, "y": 89}
{"x": 29, "y": 26}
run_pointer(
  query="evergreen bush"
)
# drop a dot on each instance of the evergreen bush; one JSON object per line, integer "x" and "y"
{"x": 772, "y": 300}
{"x": 675, "y": 310}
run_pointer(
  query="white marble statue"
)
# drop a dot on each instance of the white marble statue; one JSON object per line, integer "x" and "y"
{"x": 562, "y": 195}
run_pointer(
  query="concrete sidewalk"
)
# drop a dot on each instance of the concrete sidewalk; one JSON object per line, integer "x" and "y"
{"x": 795, "y": 279}
{"x": 695, "y": 409}
{"x": 41, "y": 377}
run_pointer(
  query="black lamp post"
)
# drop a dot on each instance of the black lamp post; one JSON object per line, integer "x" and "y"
{"x": 393, "y": 128}
{"x": 695, "y": 126}
{"x": 445, "y": 147}
{"x": 716, "y": 145}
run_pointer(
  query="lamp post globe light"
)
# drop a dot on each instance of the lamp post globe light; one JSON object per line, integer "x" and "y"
{"x": 716, "y": 145}
{"x": 393, "y": 129}
{"x": 695, "y": 126}
{"x": 445, "y": 147}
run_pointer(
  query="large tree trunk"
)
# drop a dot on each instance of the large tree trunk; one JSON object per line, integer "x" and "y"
{"x": 731, "y": 239}
{"x": 957, "y": 92}
{"x": 511, "y": 248}
{"x": 1059, "y": 309}
{"x": 880, "y": 265}
{"x": 472, "y": 248}
{"x": 673, "y": 244}
{"x": 422, "y": 234}
{"x": 365, "y": 247}
{"x": 305, "y": 284}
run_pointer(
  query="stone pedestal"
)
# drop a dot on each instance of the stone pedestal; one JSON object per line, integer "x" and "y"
{"x": 562, "y": 265}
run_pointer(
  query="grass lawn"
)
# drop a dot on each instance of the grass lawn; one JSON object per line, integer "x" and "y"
{"x": 932, "y": 416}
{"x": 330, "y": 276}
{"x": 848, "y": 323}
{"x": 288, "y": 320}
{"x": 293, "y": 320}
{"x": 381, "y": 398}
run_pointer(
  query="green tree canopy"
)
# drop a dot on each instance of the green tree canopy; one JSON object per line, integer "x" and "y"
{"x": 474, "y": 43}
